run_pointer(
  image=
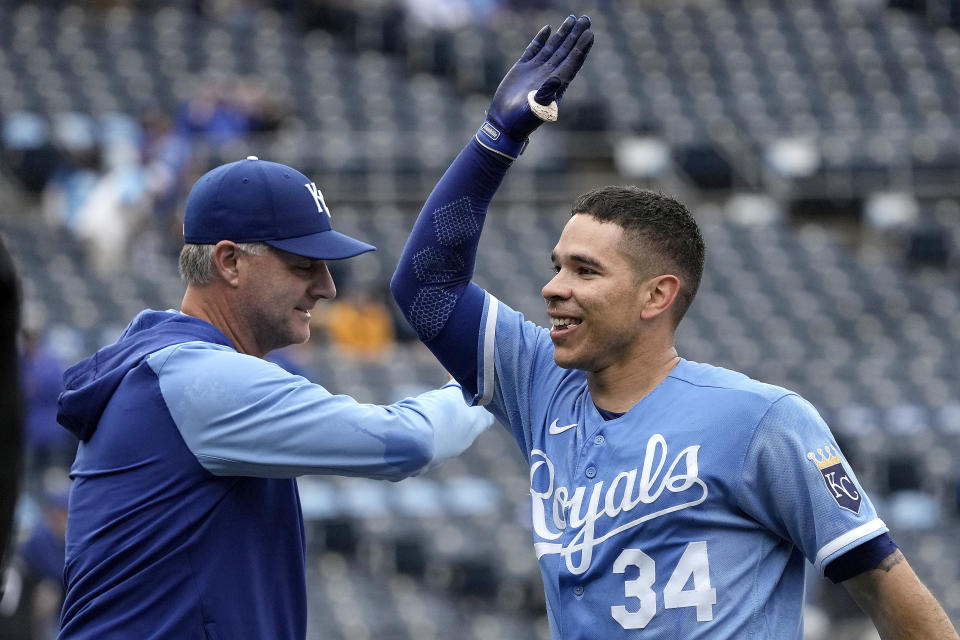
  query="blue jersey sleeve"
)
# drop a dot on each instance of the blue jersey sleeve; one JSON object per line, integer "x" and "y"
{"x": 241, "y": 415}
{"x": 515, "y": 368}
{"x": 432, "y": 281}
{"x": 796, "y": 482}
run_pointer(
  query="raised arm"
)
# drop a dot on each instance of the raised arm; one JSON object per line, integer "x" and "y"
{"x": 432, "y": 281}
{"x": 901, "y": 607}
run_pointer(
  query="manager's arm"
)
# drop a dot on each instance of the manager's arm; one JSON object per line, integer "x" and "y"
{"x": 243, "y": 416}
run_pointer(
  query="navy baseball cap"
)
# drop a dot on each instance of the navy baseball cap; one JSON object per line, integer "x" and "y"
{"x": 255, "y": 200}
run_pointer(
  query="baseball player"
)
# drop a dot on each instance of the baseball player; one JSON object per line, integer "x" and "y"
{"x": 668, "y": 498}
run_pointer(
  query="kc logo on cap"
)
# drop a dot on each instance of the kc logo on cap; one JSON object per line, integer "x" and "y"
{"x": 256, "y": 200}
{"x": 318, "y": 196}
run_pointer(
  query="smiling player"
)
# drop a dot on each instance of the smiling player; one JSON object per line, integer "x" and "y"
{"x": 669, "y": 499}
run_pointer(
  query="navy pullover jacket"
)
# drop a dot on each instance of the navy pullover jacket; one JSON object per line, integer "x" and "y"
{"x": 185, "y": 518}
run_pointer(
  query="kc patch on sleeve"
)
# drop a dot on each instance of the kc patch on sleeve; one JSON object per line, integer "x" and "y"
{"x": 839, "y": 484}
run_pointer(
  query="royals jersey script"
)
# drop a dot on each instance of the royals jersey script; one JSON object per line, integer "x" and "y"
{"x": 691, "y": 515}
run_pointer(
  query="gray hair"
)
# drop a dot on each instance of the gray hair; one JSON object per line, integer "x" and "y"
{"x": 196, "y": 261}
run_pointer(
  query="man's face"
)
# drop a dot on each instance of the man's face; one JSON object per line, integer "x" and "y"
{"x": 277, "y": 291}
{"x": 594, "y": 299}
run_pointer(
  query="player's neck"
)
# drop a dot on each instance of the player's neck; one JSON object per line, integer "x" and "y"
{"x": 619, "y": 387}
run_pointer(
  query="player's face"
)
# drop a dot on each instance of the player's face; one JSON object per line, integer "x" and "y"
{"x": 279, "y": 289}
{"x": 593, "y": 299}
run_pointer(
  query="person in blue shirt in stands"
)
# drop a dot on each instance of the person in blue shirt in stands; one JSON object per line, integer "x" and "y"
{"x": 184, "y": 516}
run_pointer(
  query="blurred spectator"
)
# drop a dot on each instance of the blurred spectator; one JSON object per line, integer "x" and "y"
{"x": 450, "y": 14}
{"x": 48, "y": 444}
{"x": 265, "y": 111}
{"x": 212, "y": 115}
{"x": 28, "y": 149}
{"x": 529, "y": 5}
{"x": 30, "y": 608}
{"x": 99, "y": 189}
{"x": 359, "y": 324}
{"x": 165, "y": 154}
{"x": 114, "y": 209}
{"x": 240, "y": 14}
{"x": 66, "y": 192}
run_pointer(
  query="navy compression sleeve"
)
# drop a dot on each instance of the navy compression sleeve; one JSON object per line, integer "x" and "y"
{"x": 432, "y": 281}
{"x": 861, "y": 558}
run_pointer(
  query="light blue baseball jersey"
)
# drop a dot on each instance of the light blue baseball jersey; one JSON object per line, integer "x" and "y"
{"x": 689, "y": 516}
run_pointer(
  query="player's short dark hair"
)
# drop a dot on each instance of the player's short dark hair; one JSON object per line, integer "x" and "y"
{"x": 661, "y": 232}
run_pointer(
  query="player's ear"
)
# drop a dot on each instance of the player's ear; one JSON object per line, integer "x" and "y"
{"x": 659, "y": 292}
{"x": 225, "y": 257}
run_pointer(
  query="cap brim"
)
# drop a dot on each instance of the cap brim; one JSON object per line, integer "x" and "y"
{"x": 326, "y": 245}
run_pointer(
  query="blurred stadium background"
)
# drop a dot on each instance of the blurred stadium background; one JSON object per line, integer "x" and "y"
{"x": 816, "y": 140}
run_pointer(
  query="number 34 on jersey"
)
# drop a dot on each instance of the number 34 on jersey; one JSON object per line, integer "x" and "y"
{"x": 688, "y": 586}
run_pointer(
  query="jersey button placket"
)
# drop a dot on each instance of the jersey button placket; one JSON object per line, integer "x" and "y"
{"x": 599, "y": 440}
{"x": 590, "y": 472}
{"x": 578, "y": 591}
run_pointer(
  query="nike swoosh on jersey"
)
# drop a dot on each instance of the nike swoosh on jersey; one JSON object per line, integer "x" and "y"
{"x": 554, "y": 429}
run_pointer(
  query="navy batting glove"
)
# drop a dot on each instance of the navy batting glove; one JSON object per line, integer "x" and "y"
{"x": 530, "y": 93}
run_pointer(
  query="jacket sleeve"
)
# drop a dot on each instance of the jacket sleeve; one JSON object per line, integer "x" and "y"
{"x": 241, "y": 415}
